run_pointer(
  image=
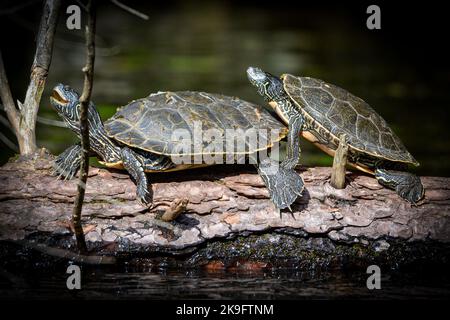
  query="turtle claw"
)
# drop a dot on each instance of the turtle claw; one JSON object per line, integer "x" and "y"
{"x": 64, "y": 173}
{"x": 71, "y": 175}
{"x": 284, "y": 184}
{"x": 143, "y": 195}
{"x": 299, "y": 193}
{"x": 60, "y": 175}
{"x": 67, "y": 163}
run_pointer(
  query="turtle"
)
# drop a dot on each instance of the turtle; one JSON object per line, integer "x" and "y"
{"x": 322, "y": 113}
{"x": 140, "y": 138}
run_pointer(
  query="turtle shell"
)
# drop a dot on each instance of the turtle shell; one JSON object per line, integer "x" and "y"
{"x": 340, "y": 112}
{"x": 149, "y": 123}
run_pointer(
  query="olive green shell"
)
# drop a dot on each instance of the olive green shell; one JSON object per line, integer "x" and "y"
{"x": 149, "y": 123}
{"x": 340, "y": 112}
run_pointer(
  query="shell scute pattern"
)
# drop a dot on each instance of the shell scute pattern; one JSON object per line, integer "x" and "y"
{"x": 340, "y": 112}
{"x": 149, "y": 123}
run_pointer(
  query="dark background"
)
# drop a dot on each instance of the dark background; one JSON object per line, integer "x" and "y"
{"x": 401, "y": 70}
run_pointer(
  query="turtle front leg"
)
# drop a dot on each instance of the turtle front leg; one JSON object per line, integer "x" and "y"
{"x": 67, "y": 163}
{"x": 293, "y": 143}
{"x": 407, "y": 185}
{"x": 284, "y": 185}
{"x": 133, "y": 163}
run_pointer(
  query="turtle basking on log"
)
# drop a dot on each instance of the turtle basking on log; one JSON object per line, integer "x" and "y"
{"x": 323, "y": 112}
{"x": 139, "y": 137}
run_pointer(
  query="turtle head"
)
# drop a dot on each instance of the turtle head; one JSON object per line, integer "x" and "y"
{"x": 268, "y": 86}
{"x": 66, "y": 102}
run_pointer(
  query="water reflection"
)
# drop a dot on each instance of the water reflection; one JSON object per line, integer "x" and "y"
{"x": 195, "y": 285}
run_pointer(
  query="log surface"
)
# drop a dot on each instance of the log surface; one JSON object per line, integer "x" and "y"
{"x": 222, "y": 203}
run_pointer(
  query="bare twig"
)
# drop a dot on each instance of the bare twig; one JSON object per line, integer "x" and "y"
{"x": 5, "y": 93}
{"x": 130, "y": 10}
{"x": 5, "y": 122}
{"x": 177, "y": 207}
{"x": 23, "y": 116}
{"x": 43, "y": 120}
{"x": 84, "y": 102}
{"x": 8, "y": 142}
{"x": 51, "y": 122}
{"x": 82, "y": 5}
{"x": 69, "y": 255}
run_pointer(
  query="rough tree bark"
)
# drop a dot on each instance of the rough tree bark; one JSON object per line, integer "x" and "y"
{"x": 221, "y": 203}
{"x": 23, "y": 117}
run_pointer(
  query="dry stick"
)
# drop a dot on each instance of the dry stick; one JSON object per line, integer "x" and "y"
{"x": 339, "y": 163}
{"x": 67, "y": 254}
{"x": 5, "y": 92}
{"x": 130, "y": 10}
{"x": 23, "y": 117}
{"x": 84, "y": 104}
{"x": 39, "y": 70}
{"x": 177, "y": 207}
{"x": 43, "y": 120}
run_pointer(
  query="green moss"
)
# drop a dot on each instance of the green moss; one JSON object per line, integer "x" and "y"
{"x": 311, "y": 253}
{"x": 14, "y": 158}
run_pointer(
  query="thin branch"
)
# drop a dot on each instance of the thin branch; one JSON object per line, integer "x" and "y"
{"x": 130, "y": 10}
{"x": 66, "y": 254}
{"x": 84, "y": 102}
{"x": 47, "y": 28}
{"x": 43, "y": 120}
{"x": 5, "y": 93}
{"x": 4, "y": 138}
{"x": 5, "y": 122}
{"x": 8, "y": 142}
{"x": 51, "y": 122}
{"x": 82, "y": 5}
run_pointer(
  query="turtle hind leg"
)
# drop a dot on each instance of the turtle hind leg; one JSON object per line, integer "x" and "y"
{"x": 136, "y": 162}
{"x": 407, "y": 185}
{"x": 133, "y": 163}
{"x": 284, "y": 184}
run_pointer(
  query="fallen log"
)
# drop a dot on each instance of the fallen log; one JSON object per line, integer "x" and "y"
{"x": 221, "y": 203}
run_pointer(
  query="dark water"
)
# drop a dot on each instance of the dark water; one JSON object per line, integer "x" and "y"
{"x": 401, "y": 70}
{"x": 288, "y": 284}
{"x": 29, "y": 274}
